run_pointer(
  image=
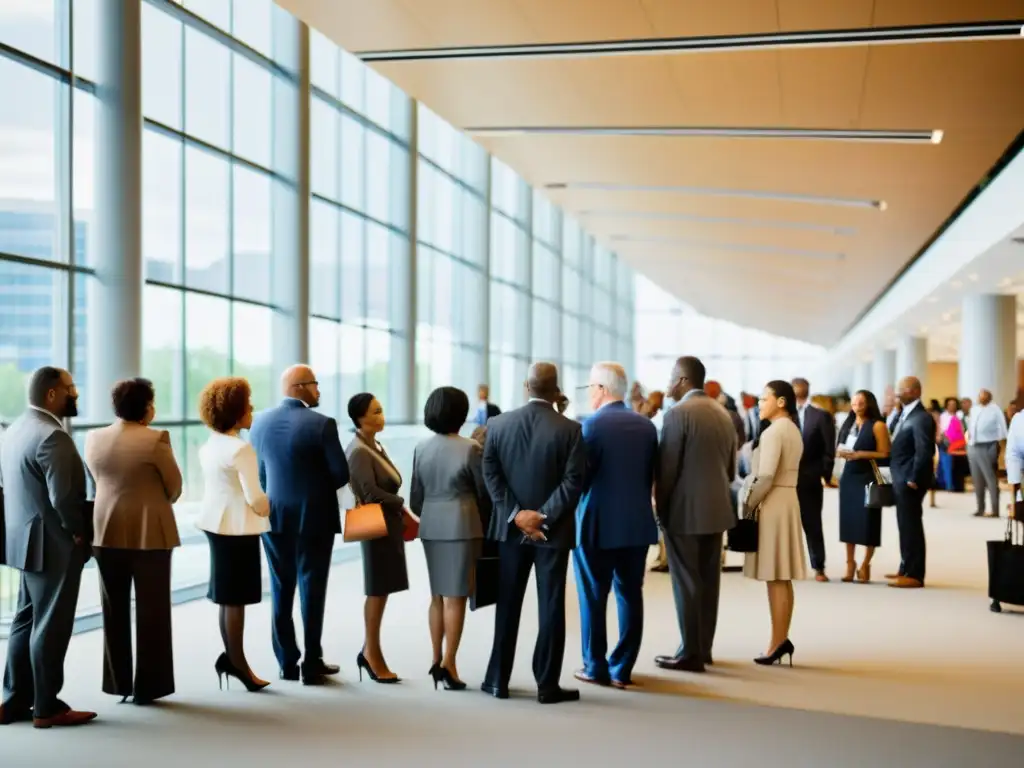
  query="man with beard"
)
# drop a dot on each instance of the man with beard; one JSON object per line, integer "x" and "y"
{"x": 302, "y": 465}
{"x": 49, "y": 537}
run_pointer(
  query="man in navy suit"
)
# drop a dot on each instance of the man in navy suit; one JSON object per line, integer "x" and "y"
{"x": 302, "y": 465}
{"x": 615, "y": 526}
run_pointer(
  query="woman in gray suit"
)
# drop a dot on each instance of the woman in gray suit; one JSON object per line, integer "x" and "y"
{"x": 449, "y": 496}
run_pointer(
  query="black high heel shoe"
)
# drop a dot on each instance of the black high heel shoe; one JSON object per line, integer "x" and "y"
{"x": 785, "y": 649}
{"x": 449, "y": 681}
{"x": 362, "y": 663}
{"x": 225, "y": 669}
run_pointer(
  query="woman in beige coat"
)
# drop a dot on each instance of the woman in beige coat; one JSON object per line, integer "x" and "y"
{"x": 771, "y": 490}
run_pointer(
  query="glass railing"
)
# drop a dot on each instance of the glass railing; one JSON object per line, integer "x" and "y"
{"x": 191, "y": 564}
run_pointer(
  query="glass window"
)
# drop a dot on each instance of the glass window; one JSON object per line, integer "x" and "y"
{"x": 325, "y": 268}
{"x": 252, "y": 236}
{"x": 163, "y": 348}
{"x": 207, "y": 89}
{"x": 162, "y": 50}
{"x": 251, "y": 23}
{"x": 217, "y": 12}
{"x": 353, "y": 268}
{"x": 353, "y": 150}
{"x": 251, "y": 349}
{"x": 207, "y": 342}
{"x": 29, "y": 216}
{"x": 207, "y": 219}
{"x": 161, "y": 207}
{"x": 31, "y": 26}
{"x": 325, "y": 127}
{"x": 325, "y": 361}
{"x": 253, "y": 116}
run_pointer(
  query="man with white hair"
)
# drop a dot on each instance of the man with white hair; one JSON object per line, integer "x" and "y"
{"x": 615, "y": 526}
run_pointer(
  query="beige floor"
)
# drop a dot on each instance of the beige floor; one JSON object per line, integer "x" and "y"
{"x": 877, "y": 670}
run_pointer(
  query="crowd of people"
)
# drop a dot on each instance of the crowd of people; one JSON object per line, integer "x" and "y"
{"x": 532, "y": 487}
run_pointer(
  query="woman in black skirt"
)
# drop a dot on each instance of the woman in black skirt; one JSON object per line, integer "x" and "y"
{"x": 375, "y": 480}
{"x": 862, "y": 438}
{"x": 235, "y": 511}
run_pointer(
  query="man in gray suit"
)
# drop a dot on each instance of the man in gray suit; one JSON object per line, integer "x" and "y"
{"x": 48, "y": 540}
{"x": 696, "y": 467}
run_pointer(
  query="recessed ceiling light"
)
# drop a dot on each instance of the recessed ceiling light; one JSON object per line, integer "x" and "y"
{"x": 817, "y": 134}
{"x": 973, "y": 277}
{"x": 925, "y": 33}
{"x": 740, "y": 222}
{"x": 1006, "y": 282}
{"x": 788, "y": 197}
{"x": 956, "y": 283}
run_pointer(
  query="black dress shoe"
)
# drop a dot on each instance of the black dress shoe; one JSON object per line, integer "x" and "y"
{"x": 498, "y": 692}
{"x": 320, "y": 668}
{"x": 314, "y": 679}
{"x": 10, "y": 714}
{"x": 291, "y": 673}
{"x": 557, "y": 696}
{"x": 679, "y": 663}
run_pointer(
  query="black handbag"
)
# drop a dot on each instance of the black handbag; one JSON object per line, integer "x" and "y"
{"x": 743, "y": 538}
{"x": 878, "y": 494}
{"x": 1006, "y": 567}
{"x": 488, "y": 574}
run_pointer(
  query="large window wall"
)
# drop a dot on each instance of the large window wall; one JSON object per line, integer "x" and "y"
{"x": 740, "y": 359}
{"x": 428, "y": 262}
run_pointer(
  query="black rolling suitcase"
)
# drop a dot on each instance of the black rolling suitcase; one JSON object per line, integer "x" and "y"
{"x": 1006, "y": 566}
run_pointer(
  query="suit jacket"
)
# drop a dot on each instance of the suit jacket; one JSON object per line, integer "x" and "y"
{"x": 534, "y": 458}
{"x": 913, "y": 450}
{"x": 301, "y": 467}
{"x": 819, "y": 457}
{"x": 448, "y": 491}
{"x": 622, "y": 453}
{"x": 43, "y": 478}
{"x": 137, "y": 481}
{"x": 696, "y": 467}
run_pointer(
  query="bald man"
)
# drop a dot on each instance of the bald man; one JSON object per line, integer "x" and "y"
{"x": 302, "y": 465}
{"x": 534, "y": 466}
{"x": 910, "y": 459}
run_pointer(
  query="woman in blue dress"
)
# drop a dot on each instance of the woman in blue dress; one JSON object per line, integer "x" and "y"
{"x": 863, "y": 438}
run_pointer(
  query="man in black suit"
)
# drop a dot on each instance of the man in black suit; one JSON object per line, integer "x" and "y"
{"x": 911, "y": 457}
{"x": 534, "y": 465}
{"x": 819, "y": 457}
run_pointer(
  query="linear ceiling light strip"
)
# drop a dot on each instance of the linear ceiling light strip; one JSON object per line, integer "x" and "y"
{"x": 931, "y": 33}
{"x": 785, "y": 197}
{"x": 818, "y": 134}
{"x": 756, "y": 223}
{"x": 739, "y": 247}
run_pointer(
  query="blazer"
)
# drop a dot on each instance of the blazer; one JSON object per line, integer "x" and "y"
{"x": 696, "y": 467}
{"x": 302, "y": 467}
{"x": 819, "y": 435}
{"x": 376, "y": 480}
{"x": 535, "y": 458}
{"x": 448, "y": 491}
{"x": 137, "y": 481}
{"x": 233, "y": 501}
{"x": 43, "y": 480}
{"x": 622, "y": 454}
{"x": 913, "y": 449}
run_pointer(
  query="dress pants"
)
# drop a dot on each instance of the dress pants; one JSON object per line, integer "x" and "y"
{"x": 150, "y": 570}
{"x": 695, "y": 564}
{"x": 811, "y": 495}
{"x": 910, "y": 519}
{"x": 984, "y": 460}
{"x": 515, "y": 562}
{"x": 598, "y": 571}
{"x": 304, "y": 562}
{"x": 40, "y": 634}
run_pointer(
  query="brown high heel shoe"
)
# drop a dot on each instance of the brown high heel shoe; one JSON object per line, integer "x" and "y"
{"x": 864, "y": 573}
{"x": 851, "y": 569}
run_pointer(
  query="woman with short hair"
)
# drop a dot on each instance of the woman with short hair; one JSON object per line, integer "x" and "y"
{"x": 137, "y": 482}
{"x": 452, "y": 503}
{"x": 235, "y": 512}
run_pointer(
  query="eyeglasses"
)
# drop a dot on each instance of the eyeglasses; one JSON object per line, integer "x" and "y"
{"x": 313, "y": 383}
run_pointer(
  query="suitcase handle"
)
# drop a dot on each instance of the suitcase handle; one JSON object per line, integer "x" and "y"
{"x": 1011, "y": 538}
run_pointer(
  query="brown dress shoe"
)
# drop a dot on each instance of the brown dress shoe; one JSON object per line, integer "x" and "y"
{"x": 893, "y": 576}
{"x": 821, "y": 577}
{"x": 905, "y": 582}
{"x": 68, "y": 718}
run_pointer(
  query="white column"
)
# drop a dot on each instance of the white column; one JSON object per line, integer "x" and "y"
{"x": 883, "y": 371}
{"x": 115, "y": 295}
{"x": 862, "y": 376}
{"x": 912, "y": 358}
{"x": 988, "y": 346}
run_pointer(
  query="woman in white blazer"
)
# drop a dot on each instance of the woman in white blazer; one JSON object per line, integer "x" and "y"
{"x": 235, "y": 511}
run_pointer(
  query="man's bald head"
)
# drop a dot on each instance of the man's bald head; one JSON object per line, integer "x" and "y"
{"x": 909, "y": 389}
{"x": 542, "y": 382}
{"x": 984, "y": 397}
{"x": 300, "y": 382}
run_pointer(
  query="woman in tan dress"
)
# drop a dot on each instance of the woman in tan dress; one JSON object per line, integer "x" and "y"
{"x": 771, "y": 488}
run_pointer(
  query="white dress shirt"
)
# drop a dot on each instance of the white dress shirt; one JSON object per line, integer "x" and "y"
{"x": 907, "y": 410}
{"x": 1015, "y": 450}
{"x": 988, "y": 424}
{"x": 231, "y": 488}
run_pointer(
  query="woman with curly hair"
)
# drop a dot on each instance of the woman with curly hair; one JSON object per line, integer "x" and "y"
{"x": 235, "y": 512}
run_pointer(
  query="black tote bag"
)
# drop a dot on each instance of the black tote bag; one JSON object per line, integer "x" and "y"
{"x": 743, "y": 538}
{"x": 878, "y": 494}
{"x": 488, "y": 574}
{"x": 1006, "y": 567}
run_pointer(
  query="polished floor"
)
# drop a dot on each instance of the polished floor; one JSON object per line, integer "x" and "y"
{"x": 882, "y": 677}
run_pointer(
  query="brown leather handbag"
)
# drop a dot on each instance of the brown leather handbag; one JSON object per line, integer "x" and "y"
{"x": 365, "y": 523}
